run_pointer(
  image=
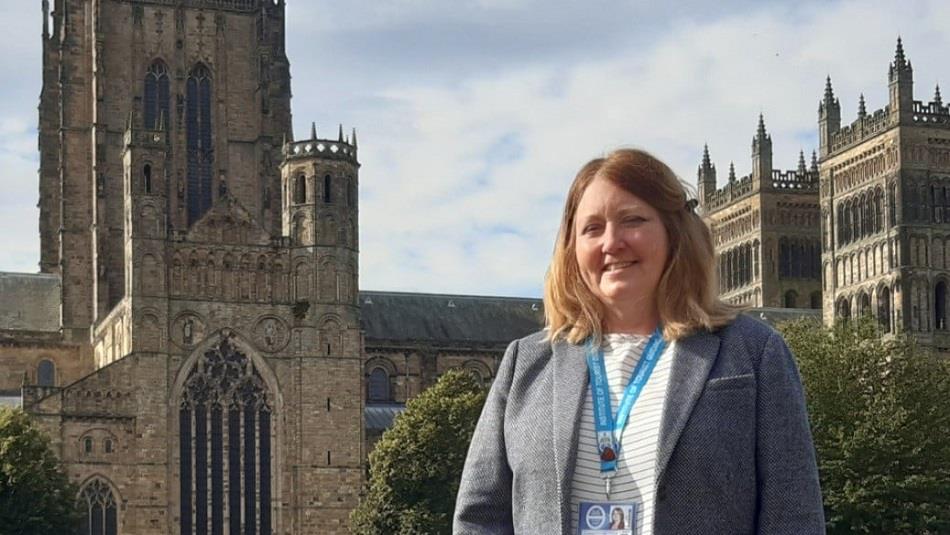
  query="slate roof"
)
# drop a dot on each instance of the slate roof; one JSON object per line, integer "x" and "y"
{"x": 381, "y": 417}
{"x": 437, "y": 318}
{"x": 30, "y": 301}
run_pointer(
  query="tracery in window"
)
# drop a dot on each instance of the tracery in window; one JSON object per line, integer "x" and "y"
{"x": 156, "y": 95}
{"x": 98, "y": 506}
{"x": 224, "y": 396}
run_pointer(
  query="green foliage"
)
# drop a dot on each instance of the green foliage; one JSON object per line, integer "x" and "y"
{"x": 35, "y": 496}
{"x": 417, "y": 464}
{"x": 878, "y": 411}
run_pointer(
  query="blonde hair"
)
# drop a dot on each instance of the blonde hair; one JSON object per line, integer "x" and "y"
{"x": 687, "y": 297}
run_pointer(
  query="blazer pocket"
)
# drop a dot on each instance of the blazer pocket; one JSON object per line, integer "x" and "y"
{"x": 735, "y": 382}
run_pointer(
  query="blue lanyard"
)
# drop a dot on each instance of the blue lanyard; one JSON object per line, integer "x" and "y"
{"x": 609, "y": 429}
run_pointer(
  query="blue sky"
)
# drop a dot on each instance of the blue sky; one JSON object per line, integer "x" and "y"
{"x": 474, "y": 115}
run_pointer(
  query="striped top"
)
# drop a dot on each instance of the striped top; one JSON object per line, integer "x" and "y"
{"x": 636, "y": 471}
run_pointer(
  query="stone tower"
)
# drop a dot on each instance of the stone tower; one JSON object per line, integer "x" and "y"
{"x": 209, "y": 268}
{"x": 885, "y": 180}
{"x": 765, "y": 230}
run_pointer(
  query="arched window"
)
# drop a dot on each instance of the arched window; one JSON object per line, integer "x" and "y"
{"x": 791, "y": 299}
{"x": 87, "y": 445}
{"x": 843, "y": 309}
{"x": 108, "y": 446}
{"x": 147, "y": 178}
{"x": 783, "y": 258}
{"x": 378, "y": 386}
{"x": 884, "y": 309}
{"x": 46, "y": 373}
{"x": 225, "y": 398}
{"x": 865, "y": 305}
{"x": 327, "y": 189}
{"x": 300, "y": 190}
{"x": 940, "y": 306}
{"x": 199, "y": 150}
{"x": 98, "y": 506}
{"x": 156, "y": 96}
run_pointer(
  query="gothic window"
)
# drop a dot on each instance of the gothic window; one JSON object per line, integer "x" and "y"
{"x": 46, "y": 373}
{"x": 98, "y": 506}
{"x": 147, "y": 178}
{"x": 378, "y": 386}
{"x": 200, "y": 154}
{"x": 892, "y": 205}
{"x": 156, "y": 96}
{"x": 884, "y": 309}
{"x": 843, "y": 309}
{"x": 108, "y": 446}
{"x": 327, "y": 191}
{"x": 300, "y": 190}
{"x": 87, "y": 445}
{"x": 865, "y": 304}
{"x": 225, "y": 444}
{"x": 940, "y": 306}
{"x": 784, "y": 258}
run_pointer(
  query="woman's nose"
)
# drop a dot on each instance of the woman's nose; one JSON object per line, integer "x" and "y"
{"x": 612, "y": 239}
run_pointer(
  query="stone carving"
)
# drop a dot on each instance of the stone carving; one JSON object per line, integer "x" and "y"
{"x": 188, "y": 330}
{"x": 271, "y": 334}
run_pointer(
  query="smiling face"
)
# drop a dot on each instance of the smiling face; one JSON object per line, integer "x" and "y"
{"x": 621, "y": 247}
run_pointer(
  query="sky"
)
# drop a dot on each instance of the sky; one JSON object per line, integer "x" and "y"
{"x": 474, "y": 115}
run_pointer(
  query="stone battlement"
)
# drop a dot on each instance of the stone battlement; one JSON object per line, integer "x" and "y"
{"x": 320, "y": 148}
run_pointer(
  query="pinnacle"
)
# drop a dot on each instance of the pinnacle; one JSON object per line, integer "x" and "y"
{"x": 937, "y": 97}
{"x": 899, "y": 58}
{"x": 862, "y": 109}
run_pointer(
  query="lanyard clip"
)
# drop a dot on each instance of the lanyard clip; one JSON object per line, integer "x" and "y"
{"x": 608, "y": 476}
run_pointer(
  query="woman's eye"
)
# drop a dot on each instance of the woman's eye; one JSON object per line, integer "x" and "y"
{"x": 634, "y": 220}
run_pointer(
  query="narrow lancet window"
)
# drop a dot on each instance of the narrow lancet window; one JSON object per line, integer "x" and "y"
{"x": 200, "y": 154}
{"x": 156, "y": 96}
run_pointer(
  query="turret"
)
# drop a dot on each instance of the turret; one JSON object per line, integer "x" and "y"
{"x": 320, "y": 183}
{"x": 761, "y": 157}
{"x": 706, "y": 178}
{"x": 829, "y": 119}
{"x": 901, "y": 86}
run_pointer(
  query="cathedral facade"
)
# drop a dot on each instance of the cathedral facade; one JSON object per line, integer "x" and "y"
{"x": 885, "y": 210}
{"x": 194, "y": 343}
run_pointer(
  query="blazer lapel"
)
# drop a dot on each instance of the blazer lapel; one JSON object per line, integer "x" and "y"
{"x": 693, "y": 359}
{"x": 568, "y": 391}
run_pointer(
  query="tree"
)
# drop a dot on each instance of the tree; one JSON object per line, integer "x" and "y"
{"x": 35, "y": 496}
{"x": 881, "y": 428}
{"x": 417, "y": 464}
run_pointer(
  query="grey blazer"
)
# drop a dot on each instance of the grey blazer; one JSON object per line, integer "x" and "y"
{"x": 735, "y": 453}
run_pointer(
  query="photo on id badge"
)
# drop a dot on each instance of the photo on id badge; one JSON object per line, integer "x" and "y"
{"x": 607, "y": 518}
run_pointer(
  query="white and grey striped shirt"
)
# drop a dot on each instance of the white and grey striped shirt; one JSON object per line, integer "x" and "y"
{"x": 636, "y": 471}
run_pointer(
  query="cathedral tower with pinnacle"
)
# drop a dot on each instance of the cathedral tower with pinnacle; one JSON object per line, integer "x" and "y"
{"x": 765, "y": 229}
{"x": 209, "y": 273}
{"x": 885, "y": 208}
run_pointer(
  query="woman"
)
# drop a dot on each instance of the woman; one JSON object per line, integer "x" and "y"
{"x": 644, "y": 391}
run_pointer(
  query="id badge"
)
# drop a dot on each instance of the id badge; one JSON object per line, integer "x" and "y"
{"x": 607, "y": 518}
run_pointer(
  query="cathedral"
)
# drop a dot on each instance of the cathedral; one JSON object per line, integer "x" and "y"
{"x": 863, "y": 231}
{"x": 196, "y": 344}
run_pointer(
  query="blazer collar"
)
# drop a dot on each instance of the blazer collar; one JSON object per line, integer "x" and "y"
{"x": 568, "y": 391}
{"x": 693, "y": 358}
